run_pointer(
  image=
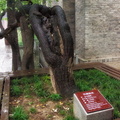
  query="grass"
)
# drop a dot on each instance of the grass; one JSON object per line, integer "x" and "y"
{"x": 16, "y": 90}
{"x": 36, "y": 84}
{"x": 108, "y": 86}
{"x": 85, "y": 80}
{"x": 65, "y": 110}
{"x": 42, "y": 88}
{"x": 19, "y": 114}
{"x": 70, "y": 117}
{"x": 33, "y": 110}
{"x": 55, "y": 97}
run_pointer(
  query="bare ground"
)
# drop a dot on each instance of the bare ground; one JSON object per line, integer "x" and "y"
{"x": 44, "y": 111}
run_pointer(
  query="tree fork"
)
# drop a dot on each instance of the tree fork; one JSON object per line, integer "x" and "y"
{"x": 60, "y": 65}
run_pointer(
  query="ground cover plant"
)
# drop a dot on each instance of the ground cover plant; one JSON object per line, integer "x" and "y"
{"x": 108, "y": 86}
{"x": 32, "y": 98}
{"x": 19, "y": 114}
{"x": 35, "y": 98}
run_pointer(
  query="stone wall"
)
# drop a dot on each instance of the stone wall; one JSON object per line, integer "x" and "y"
{"x": 98, "y": 30}
{"x": 95, "y": 25}
{"x": 80, "y": 28}
{"x": 69, "y": 8}
{"x": 60, "y": 2}
{"x": 102, "y": 29}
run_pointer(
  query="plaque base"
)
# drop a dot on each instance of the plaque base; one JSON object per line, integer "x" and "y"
{"x": 81, "y": 114}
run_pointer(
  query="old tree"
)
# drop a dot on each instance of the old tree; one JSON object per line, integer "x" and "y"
{"x": 53, "y": 32}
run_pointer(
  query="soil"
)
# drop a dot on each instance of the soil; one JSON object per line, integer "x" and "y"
{"x": 45, "y": 111}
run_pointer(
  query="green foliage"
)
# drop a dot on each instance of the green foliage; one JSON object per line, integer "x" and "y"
{"x": 19, "y": 114}
{"x": 20, "y": 43}
{"x": 58, "y": 106}
{"x": 31, "y": 85}
{"x": 62, "y": 112}
{"x": 16, "y": 91}
{"x": 3, "y": 5}
{"x": 25, "y": 81}
{"x": 70, "y": 117}
{"x": 44, "y": 99}
{"x": 94, "y": 79}
{"x": 65, "y": 109}
{"x": 39, "y": 88}
{"x": 36, "y": 78}
{"x": 33, "y": 110}
{"x": 27, "y": 91}
{"x": 42, "y": 1}
{"x": 55, "y": 97}
{"x": 41, "y": 92}
{"x": 15, "y": 81}
{"x": 84, "y": 79}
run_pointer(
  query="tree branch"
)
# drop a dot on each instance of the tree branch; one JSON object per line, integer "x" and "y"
{"x": 38, "y": 27}
{"x": 8, "y": 30}
{"x": 23, "y": 11}
{"x": 65, "y": 31}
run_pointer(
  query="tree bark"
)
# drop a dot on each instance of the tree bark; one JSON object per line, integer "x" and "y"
{"x": 12, "y": 37}
{"x": 28, "y": 43}
{"x": 53, "y": 32}
{"x": 60, "y": 63}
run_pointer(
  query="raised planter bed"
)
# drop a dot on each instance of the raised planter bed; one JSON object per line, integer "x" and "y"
{"x": 102, "y": 67}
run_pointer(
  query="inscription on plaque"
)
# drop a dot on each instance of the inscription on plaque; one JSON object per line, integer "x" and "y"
{"x": 93, "y": 101}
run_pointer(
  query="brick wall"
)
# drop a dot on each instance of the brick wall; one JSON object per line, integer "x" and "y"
{"x": 102, "y": 29}
{"x": 98, "y": 29}
{"x": 95, "y": 24}
{"x": 80, "y": 28}
{"x": 60, "y": 2}
{"x": 69, "y": 8}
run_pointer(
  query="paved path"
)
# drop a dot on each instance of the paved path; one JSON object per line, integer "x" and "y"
{"x": 5, "y": 57}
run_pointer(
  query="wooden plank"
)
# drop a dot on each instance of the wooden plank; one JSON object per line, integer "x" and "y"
{"x": 111, "y": 69}
{"x": 100, "y": 66}
{"x": 5, "y": 100}
{"x": 40, "y": 71}
{"x": 112, "y": 74}
{"x": 86, "y": 65}
{"x": 23, "y": 73}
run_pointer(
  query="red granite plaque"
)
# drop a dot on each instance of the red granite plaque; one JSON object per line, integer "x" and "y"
{"x": 93, "y": 101}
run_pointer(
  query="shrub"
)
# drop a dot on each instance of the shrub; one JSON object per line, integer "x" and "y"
{"x": 33, "y": 110}
{"x": 19, "y": 114}
{"x": 16, "y": 90}
{"x": 55, "y": 97}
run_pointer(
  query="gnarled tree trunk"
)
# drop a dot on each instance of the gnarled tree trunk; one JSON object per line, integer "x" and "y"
{"x": 53, "y": 32}
{"x": 57, "y": 46}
